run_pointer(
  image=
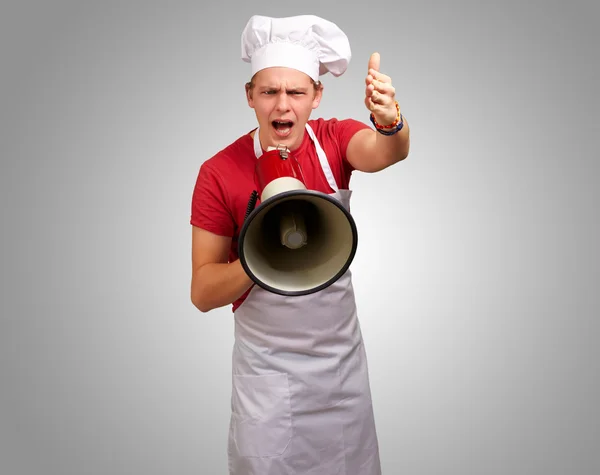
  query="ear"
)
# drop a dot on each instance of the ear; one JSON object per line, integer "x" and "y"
{"x": 317, "y": 98}
{"x": 249, "y": 95}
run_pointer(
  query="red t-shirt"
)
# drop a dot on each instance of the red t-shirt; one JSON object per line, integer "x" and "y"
{"x": 226, "y": 180}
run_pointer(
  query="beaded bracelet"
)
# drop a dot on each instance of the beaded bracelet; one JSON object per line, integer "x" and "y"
{"x": 396, "y": 125}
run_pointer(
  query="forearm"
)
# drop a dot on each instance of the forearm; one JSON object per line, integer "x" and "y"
{"x": 393, "y": 148}
{"x": 370, "y": 152}
{"x": 216, "y": 285}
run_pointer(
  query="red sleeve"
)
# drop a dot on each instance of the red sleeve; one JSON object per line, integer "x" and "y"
{"x": 342, "y": 131}
{"x": 209, "y": 203}
{"x": 345, "y": 130}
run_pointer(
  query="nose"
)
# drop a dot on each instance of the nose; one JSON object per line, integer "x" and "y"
{"x": 283, "y": 104}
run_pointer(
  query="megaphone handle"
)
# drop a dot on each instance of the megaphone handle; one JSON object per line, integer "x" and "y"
{"x": 251, "y": 203}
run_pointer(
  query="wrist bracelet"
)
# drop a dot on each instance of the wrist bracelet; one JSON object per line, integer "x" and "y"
{"x": 398, "y": 124}
{"x": 393, "y": 124}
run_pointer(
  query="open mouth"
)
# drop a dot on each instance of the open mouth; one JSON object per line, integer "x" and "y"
{"x": 282, "y": 127}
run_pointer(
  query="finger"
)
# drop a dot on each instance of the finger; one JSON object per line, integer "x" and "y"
{"x": 380, "y": 99}
{"x": 379, "y": 76}
{"x": 374, "y": 106}
{"x": 384, "y": 88}
{"x": 374, "y": 62}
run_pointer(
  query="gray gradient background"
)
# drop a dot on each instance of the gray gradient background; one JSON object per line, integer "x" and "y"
{"x": 476, "y": 275}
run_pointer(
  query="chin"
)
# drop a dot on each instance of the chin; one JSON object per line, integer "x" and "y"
{"x": 291, "y": 141}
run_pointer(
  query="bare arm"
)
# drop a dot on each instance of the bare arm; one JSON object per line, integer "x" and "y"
{"x": 215, "y": 282}
{"x": 368, "y": 150}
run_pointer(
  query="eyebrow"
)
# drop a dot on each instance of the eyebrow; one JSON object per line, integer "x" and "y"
{"x": 290, "y": 89}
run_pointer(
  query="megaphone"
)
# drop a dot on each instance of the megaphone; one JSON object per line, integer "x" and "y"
{"x": 297, "y": 241}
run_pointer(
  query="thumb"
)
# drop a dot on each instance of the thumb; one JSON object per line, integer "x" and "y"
{"x": 374, "y": 61}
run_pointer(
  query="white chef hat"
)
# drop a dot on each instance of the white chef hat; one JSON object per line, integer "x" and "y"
{"x": 306, "y": 42}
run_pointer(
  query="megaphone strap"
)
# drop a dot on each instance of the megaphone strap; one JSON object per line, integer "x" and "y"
{"x": 251, "y": 204}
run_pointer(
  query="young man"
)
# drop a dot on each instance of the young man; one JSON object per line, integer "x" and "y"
{"x": 301, "y": 400}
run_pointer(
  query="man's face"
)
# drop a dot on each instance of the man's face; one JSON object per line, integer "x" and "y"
{"x": 282, "y": 99}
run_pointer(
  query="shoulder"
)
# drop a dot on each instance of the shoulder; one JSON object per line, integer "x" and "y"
{"x": 229, "y": 164}
{"x": 337, "y": 127}
{"x": 224, "y": 157}
{"x": 337, "y": 131}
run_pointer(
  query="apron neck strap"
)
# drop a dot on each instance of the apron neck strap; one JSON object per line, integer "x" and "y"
{"x": 320, "y": 153}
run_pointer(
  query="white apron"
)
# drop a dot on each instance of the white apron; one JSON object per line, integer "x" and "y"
{"x": 301, "y": 401}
